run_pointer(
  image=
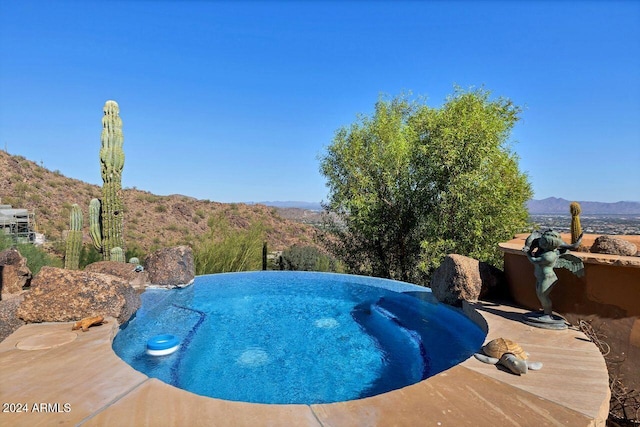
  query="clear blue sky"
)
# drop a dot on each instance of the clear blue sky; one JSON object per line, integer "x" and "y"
{"x": 233, "y": 101}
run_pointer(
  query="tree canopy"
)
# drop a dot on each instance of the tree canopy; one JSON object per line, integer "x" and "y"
{"x": 411, "y": 183}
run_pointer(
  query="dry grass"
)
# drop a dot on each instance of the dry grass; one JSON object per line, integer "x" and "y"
{"x": 624, "y": 407}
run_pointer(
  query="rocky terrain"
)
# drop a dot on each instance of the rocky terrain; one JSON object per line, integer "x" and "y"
{"x": 150, "y": 221}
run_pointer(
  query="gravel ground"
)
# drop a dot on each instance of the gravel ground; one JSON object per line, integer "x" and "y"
{"x": 9, "y": 320}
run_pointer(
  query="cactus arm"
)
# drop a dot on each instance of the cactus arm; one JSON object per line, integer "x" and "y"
{"x": 94, "y": 224}
{"x": 74, "y": 239}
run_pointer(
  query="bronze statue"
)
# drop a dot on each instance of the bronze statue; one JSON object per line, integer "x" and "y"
{"x": 547, "y": 251}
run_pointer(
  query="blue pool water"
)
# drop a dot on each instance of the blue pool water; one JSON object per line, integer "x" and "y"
{"x": 296, "y": 337}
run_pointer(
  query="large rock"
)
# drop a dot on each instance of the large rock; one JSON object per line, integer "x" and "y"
{"x": 462, "y": 278}
{"x": 125, "y": 271}
{"x": 14, "y": 273}
{"x": 9, "y": 320}
{"x": 171, "y": 267}
{"x": 59, "y": 295}
{"x": 613, "y": 246}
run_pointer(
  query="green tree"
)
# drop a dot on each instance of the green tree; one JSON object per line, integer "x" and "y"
{"x": 412, "y": 183}
{"x": 371, "y": 190}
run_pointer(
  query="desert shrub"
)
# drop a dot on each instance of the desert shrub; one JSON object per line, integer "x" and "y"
{"x": 20, "y": 189}
{"x": 37, "y": 257}
{"x": 224, "y": 249}
{"x": 146, "y": 197}
{"x": 5, "y": 241}
{"x": 88, "y": 255}
{"x": 13, "y": 201}
{"x": 308, "y": 258}
{"x": 134, "y": 251}
{"x": 160, "y": 208}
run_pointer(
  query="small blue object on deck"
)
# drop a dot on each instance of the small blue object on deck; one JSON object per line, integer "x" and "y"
{"x": 162, "y": 345}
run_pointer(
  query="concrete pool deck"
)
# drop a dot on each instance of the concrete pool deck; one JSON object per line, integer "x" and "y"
{"x": 62, "y": 379}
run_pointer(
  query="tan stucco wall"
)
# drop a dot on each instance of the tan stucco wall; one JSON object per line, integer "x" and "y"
{"x": 610, "y": 287}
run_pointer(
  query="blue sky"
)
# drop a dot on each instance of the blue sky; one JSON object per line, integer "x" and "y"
{"x": 233, "y": 102}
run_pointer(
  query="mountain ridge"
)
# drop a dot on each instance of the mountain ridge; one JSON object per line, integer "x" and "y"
{"x": 550, "y": 205}
{"x": 310, "y": 206}
{"x": 556, "y": 205}
{"x": 150, "y": 221}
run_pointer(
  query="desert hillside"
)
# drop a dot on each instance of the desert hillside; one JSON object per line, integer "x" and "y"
{"x": 150, "y": 221}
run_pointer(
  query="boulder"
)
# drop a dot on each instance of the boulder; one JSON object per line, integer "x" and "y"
{"x": 14, "y": 273}
{"x": 9, "y": 320}
{"x": 613, "y": 246}
{"x": 462, "y": 278}
{"x": 125, "y": 271}
{"x": 59, "y": 295}
{"x": 171, "y": 267}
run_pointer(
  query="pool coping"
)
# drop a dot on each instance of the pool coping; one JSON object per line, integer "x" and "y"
{"x": 83, "y": 382}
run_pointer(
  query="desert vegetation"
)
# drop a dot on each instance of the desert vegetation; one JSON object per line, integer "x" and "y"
{"x": 411, "y": 183}
{"x": 183, "y": 220}
{"x": 36, "y": 257}
{"x": 308, "y": 258}
{"x": 224, "y": 249}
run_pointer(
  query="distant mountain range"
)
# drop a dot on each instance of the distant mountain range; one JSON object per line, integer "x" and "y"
{"x": 310, "y": 206}
{"x": 554, "y": 205}
{"x": 550, "y": 205}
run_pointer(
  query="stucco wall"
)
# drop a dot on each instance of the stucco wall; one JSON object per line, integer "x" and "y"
{"x": 610, "y": 287}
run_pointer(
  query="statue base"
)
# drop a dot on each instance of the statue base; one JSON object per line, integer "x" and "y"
{"x": 545, "y": 321}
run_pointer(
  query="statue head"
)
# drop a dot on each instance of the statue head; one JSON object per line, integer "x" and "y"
{"x": 550, "y": 240}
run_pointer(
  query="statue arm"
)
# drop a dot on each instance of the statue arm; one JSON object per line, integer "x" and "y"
{"x": 532, "y": 258}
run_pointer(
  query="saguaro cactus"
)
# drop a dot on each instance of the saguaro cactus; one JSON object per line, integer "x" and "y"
{"x": 74, "y": 239}
{"x": 116, "y": 254}
{"x": 576, "y": 229}
{"x": 95, "y": 224}
{"x": 106, "y": 225}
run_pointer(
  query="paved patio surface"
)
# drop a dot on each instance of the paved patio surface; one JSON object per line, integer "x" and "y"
{"x": 57, "y": 377}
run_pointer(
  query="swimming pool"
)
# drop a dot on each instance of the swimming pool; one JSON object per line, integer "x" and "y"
{"x": 296, "y": 337}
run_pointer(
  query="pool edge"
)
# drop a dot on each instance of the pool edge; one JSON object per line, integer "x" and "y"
{"x": 102, "y": 388}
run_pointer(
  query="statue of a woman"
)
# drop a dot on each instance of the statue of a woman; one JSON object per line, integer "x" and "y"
{"x": 547, "y": 251}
